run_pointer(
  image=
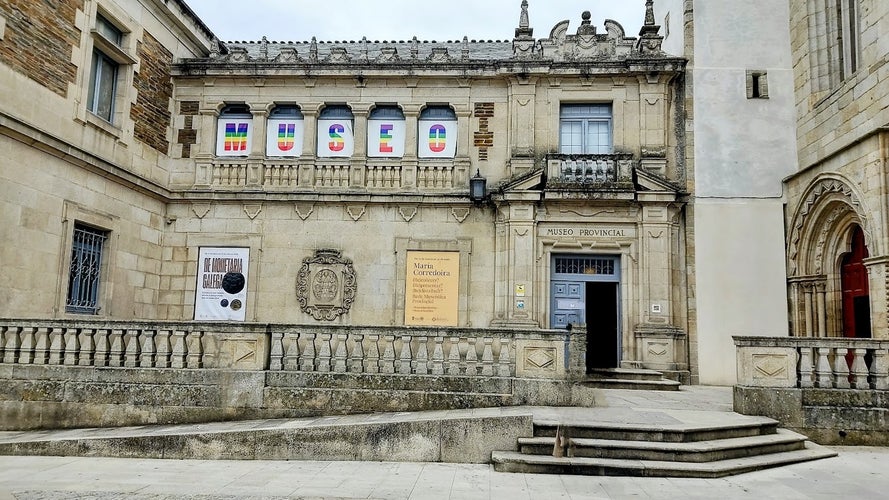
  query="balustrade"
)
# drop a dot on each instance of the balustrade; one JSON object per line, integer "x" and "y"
{"x": 599, "y": 169}
{"x": 813, "y": 362}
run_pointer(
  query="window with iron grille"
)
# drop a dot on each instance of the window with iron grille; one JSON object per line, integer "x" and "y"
{"x": 584, "y": 265}
{"x": 86, "y": 266}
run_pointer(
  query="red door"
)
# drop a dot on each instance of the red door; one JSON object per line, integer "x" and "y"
{"x": 856, "y": 300}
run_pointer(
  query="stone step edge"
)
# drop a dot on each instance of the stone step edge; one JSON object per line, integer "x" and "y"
{"x": 757, "y": 422}
{"x": 783, "y": 436}
{"x": 631, "y": 381}
{"x": 505, "y": 460}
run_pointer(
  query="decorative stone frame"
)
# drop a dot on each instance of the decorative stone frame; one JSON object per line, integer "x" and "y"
{"x": 404, "y": 245}
{"x": 326, "y": 285}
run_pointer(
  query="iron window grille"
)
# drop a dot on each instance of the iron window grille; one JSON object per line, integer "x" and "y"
{"x": 86, "y": 268}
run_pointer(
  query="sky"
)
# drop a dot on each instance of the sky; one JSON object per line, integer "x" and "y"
{"x": 300, "y": 20}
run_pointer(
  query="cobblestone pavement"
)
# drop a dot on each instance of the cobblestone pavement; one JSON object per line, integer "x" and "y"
{"x": 856, "y": 473}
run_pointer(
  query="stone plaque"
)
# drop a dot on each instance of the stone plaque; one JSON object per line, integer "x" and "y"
{"x": 325, "y": 285}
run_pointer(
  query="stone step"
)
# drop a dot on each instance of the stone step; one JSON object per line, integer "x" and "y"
{"x": 698, "y": 451}
{"x": 641, "y": 385}
{"x": 751, "y": 426}
{"x": 625, "y": 374}
{"x": 511, "y": 461}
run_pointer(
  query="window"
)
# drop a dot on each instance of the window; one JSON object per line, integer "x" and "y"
{"x": 103, "y": 73}
{"x": 757, "y": 85}
{"x": 234, "y": 132}
{"x": 385, "y": 132}
{"x": 437, "y": 136}
{"x": 284, "y": 135}
{"x": 335, "y": 132}
{"x": 585, "y": 129}
{"x": 847, "y": 20}
{"x": 86, "y": 267}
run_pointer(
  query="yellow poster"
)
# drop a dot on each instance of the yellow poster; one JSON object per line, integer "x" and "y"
{"x": 432, "y": 288}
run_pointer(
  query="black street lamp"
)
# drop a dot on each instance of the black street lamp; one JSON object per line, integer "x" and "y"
{"x": 477, "y": 187}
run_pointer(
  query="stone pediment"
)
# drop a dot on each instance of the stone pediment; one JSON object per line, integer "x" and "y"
{"x": 530, "y": 181}
{"x": 651, "y": 182}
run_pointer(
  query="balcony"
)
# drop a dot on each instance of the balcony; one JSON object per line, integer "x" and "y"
{"x": 599, "y": 171}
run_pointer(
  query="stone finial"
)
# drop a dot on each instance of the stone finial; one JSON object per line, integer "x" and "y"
{"x": 364, "y": 50}
{"x": 649, "y": 13}
{"x": 313, "y": 50}
{"x": 524, "y": 30}
{"x": 464, "y": 53}
{"x": 650, "y": 41}
{"x": 586, "y": 27}
{"x": 415, "y": 47}
{"x": 214, "y": 48}
{"x": 264, "y": 49}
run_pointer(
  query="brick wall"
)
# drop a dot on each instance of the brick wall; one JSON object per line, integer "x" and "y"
{"x": 40, "y": 35}
{"x": 151, "y": 111}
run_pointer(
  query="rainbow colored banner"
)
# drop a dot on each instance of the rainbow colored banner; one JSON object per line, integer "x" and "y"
{"x": 284, "y": 137}
{"x": 385, "y": 138}
{"x": 437, "y": 139}
{"x": 335, "y": 139}
{"x": 234, "y": 137}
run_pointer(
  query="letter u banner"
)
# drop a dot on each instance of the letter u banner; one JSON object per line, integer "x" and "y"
{"x": 335, "y": 138}
{"x": 233, "y": 137}
{"x": 437, "y": 139}
{"x": 284, "y": 138}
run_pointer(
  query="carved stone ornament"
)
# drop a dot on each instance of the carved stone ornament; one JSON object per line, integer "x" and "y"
{"x": 325, "y": 285}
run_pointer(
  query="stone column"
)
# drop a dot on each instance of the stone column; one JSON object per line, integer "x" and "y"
{"x": 820, "y": 288}
{"x": 310, "y": 135}
{"x": 359, "y": 156}
{"x": 655, "y": 266}
{"x": 462, "y": 163}
{"x": 205, "y": 148}
{"x": 809, "y": 330}
{"x": 515, "y": 261}
{"x": 410, "y": 161}
{"x": 521, "y": 124}
{"x": 877, "y": 270}
{"x": 256, "y": 160}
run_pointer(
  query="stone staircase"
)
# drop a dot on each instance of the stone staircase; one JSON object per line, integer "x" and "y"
{"x": 628, "y": 378}
{"x": 615, "y": 449}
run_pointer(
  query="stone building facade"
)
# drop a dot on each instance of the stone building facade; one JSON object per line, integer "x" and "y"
{"x": 836, "y": 215}
{"x": 328, "y": 183}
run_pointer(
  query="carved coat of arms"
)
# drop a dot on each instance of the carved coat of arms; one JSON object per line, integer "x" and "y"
{"x": 325, "y": 285}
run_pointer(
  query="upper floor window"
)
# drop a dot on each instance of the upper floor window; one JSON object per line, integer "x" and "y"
{"x": 234, "y": 133}
{"x": 437, "y": 132}
{"x": 85, "y": 272}
{"x": 104, "y": 70}
{"x": 849, "y": 35}
{"x": 336, "y": 137}
{"x": 284, "y": 135}
{"x": 585, "y": 129}
{"x": 385, "y": 132}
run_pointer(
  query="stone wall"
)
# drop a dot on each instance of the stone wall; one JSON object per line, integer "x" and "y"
{"x": 39, "y": 38}
{"x": 154, "y": 87}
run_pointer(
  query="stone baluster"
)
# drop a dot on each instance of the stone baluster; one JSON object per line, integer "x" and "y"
{"x": 72, "y": 346}
{"x": 276, "y": 351}
{"x": 87, "y": 347}
{"x": 879, "y": 369}
{"x": 404, "y": 358}
{"x": 340, "y": 356}
{"x": 387, "y": 365}
{"x": 438, "y": 357}
{"x": 291, "y": 356}
{"x": 116, "y": 350}
{"x": 823, "y": 372}
{"x": 56, "y": 346}
{"x": 421, "y": 366}
{"x": 806, "y": 369}
{"x": 503, "y": 365}
{"x": 11, "y": 345}
{"x": 26, "y": 348}
{"x": 146, "y": 360}
{"x": 3, "y": 330}
{"x": 356, "y": 357}
{"x": 307, "y": 357}
{"x": 162, "y": 360}
{"x": 841, "y": 369}
{"x": 180, "y": 349}
{"x": 373, "y": 355}
{"x": 471, "y": 358}
{"x": 41, "y": 346}
{"x": 454, "y": 357}
{"x": 859, "y": 369}
{"x": 131, "y": 346}
{"x": 488, "y": 357}
{"x": 324, "y": 354}
{"x": 101, "y": 341}
{"x": 195, "y": 347}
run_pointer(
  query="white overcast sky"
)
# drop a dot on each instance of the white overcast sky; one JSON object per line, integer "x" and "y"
{"x": 299, "y": 20}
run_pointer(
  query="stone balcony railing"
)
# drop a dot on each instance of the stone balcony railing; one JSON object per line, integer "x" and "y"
{"x": 600, "y": 170}
{"x": 813, "y": 362}
{"x": 305, "y": 348}
{"x": 378, "y": 175}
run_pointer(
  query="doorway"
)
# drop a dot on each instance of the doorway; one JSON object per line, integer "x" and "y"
{"x": 586, "y": 290}
{"x": 856, "y": 290}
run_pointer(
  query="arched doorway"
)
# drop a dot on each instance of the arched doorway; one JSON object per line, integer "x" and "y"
{"x": 856, "y": 295}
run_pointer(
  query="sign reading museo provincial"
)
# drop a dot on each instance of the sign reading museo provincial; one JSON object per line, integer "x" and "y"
{"x": 432, "y": 288}
{"x": 221, "y": 292}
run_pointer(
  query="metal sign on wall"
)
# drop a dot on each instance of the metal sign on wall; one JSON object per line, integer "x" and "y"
{"x": 221, "y": 292}
{"x": 432, "y": 288}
